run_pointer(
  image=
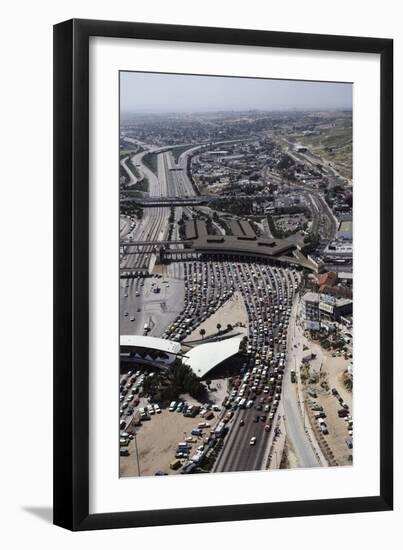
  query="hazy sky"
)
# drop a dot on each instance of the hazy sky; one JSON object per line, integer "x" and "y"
{"x": 152, "y": 92}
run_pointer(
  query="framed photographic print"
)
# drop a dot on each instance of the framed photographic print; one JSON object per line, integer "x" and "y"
{"x": 222, "y": 198}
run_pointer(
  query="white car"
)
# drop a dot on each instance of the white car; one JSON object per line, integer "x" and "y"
{"x": 252, "y": 441}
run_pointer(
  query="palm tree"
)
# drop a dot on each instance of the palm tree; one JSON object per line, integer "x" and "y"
{"x": 243, "y": 344}
{"x": 229, "y": 327}
{"x": 218, "y": 327}
{"x": 202, "y": 332}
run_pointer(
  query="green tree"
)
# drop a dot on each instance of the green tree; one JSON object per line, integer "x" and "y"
{"x": 202, "y": 332}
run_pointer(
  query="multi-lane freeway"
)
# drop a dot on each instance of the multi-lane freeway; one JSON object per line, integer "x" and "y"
{"x": 153, "y": 224}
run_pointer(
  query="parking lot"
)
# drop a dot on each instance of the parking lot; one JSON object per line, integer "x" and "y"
{"x": 157, "y": 441}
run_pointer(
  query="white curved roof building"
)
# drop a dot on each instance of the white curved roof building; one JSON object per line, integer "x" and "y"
{"x": 205, "y": 357}
{"x": 160, "y": 344}
{"x": 160, "y": 352}
{"x": 148, "y": 349}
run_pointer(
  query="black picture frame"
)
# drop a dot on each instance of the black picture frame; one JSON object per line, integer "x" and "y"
{"x": 71, "y": 274}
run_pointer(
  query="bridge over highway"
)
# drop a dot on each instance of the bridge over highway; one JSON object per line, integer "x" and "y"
{"x": 151, "y": 243}
{"x": 152, "y": 202}
{"x": 182, "y": 200}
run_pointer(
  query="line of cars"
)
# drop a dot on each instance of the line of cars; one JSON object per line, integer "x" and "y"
{"x": 132, "y": 410}
{"x": 131, "y": 389}
{"x": 205, "y": 292}
{"x": 267, "y": 292}
{"x": 210, "y": 283}
{"x": 206, "y": 411}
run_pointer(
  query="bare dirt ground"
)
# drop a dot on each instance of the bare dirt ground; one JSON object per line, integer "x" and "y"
{"x": 289, "y": 459}
{"x": 331, "y": 373}
{"x": 218, "y": 390}
{"x": 157, "y": 440}
{"x": 232, "y": 312}
{"x": 328, "y": 372}
{"x": 278, "y": 446}
{"x": 338, "y": 429}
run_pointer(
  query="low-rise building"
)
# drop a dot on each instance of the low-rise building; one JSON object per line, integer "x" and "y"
{"x": 318, "y": 308}
{"x": 332, "y": 308}
{"x": 311, "y": 312}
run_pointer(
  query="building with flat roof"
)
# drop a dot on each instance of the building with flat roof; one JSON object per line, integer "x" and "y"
{"x": 345, "y": 230}
{"x": 195, "y": 229}
{"x": 242, "y": 228}
{"x": 339, "y": 251}
{"x": 280, "y": 251}
{"x": 345, "y": 277}
{"x": 324, "y": 307}
{"x": 310, "y": 311}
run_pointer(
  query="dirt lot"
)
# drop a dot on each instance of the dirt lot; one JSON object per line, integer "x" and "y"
{"x": 328, "y": 372}
{"x": 157, "y": 440}
{"x": 232, "y": 312}
{"x": 332, "y": 369}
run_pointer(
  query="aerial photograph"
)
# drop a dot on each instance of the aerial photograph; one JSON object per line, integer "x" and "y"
{"x": 236, "y": 274}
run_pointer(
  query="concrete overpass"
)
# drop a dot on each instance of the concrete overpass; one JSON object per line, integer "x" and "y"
{"x": 151, "y": 202}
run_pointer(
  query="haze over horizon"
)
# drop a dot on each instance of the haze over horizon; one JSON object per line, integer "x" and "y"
{"x": 155, "y": 93}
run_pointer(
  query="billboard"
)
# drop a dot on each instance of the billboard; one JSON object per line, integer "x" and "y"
{"x": 312, "y": 325}
{"x": 327, "y": 308}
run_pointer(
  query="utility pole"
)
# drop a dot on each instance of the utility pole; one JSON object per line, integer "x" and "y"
{"x": 137, "y": 453}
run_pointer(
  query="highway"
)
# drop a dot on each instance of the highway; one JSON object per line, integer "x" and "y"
{"x": 129, "y": 172}
{"x": 237, "y": 453}
{"x": 153, "y": 224}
